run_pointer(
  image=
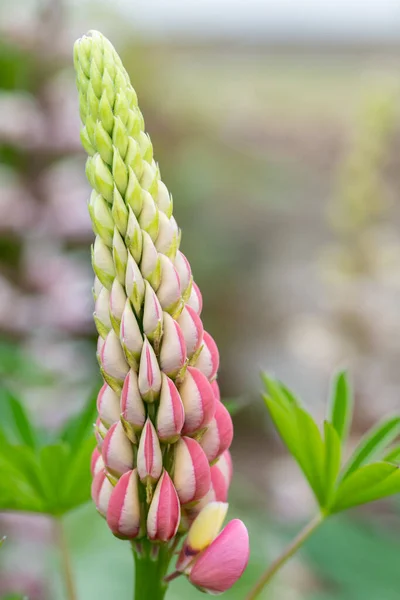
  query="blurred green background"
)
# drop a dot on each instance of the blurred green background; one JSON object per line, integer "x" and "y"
{"x": 276, "y": 127}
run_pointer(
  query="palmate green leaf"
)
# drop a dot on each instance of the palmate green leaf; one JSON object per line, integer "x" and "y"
{"x": 341, "y": 404}
{"x": 370, "y": 482}
{"x": 376, "y": 440}
{"x": 332, "y": 460}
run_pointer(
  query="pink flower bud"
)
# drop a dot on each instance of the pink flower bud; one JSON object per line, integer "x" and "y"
{"x": 134, "y": 284}
{"x": 149, "y": 373}
{"x": 150, "y": 264}
{"x": 152, "y": 315}
{"x": 219, "y": 484}
{"x": 170, "y": 414}
{"x": 169, "y": 291}
{"x": 117, "y": 450}
{"x": 132, "y": 406}
{"x": 215, "y": 387}
{"x": 100, "y": 344}
{"x": 149, "y": 457}
{"x": 108, "y": 405}
{"x": 101, "y": 312}
{"x": 173, "y": 348}
{"x": 101, "y": 492}
{"x": 219, "y": 566}
{"x": 191, "y": 476}
{"x": 112, "y": 358}
{"x": 100, "y": 432}
{"x": 208, "y": 360}
{"x": 167, "y": 235}
{"x": 192, "y": 329}
{"x": 195, "y": 299}
{"x": 123, "y": 514}
{"x": 96, "y": 462}
{"x": 219, "y": 433}
{"x": 164, "y": 512}
{"x": 224, "y": 464}
{"x": 117, "y": 302}
{"x": 131, "y": 336}
{"x": 198, "y": 400}
{"x": 184, "y": 271}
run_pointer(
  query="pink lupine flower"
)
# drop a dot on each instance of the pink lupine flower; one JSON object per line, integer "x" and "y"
{"x": 191, "y": 476}
{"x": 198, "y": 400}
{"x": 123, "y": 512}
{"x": 219, "y": 434}
{"x": 164, "y": 512}
{"x": 170, "y": 414}
{"x": 149, "y": 457}
{"x": 117, "y": 450}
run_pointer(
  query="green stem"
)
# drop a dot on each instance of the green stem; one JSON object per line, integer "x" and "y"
{"x": 65, "y": 560}
{"x": 284, "y": 557}
{"x": 151, "y": 565}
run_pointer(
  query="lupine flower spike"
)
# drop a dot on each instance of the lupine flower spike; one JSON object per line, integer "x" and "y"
{"x": 162, "y": 467}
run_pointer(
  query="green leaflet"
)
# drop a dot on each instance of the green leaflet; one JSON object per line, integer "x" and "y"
{"x": 332, "y": 459}
{"x": 393, "y": 455}
{"x": 341, "y": 405}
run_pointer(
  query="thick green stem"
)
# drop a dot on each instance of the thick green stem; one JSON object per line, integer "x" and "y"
{"x": 284, "y": 557}
{"x": 151, "y": 565}
{"x": 65, "y": 560}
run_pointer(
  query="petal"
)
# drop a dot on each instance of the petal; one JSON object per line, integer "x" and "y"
{"x": 131, "y": 337}
{"x": 117, "y": 300}
{"x": 101, "y": 492}
{"x": 149, "y": 373}
{"x": 198, "y": 400}
{"x": 224, "y": 464}
{"x": 192, "y": 329}
{"x": 149, "y": 457}
{"x": 164, "y": 512}
{"x": 152, "y": 314}
{"x": 173, "y": 347}
{"x": 96, "y": 462}
{"x": 170, "y": 414}
{"x": 195, "y": 299}
{"x": 219, "y": 434}
{"x": 134, "y": 284}
{"x": 108, "y": 405}
{"x": 191, "y": 476}
{"x": 112, "y": 357}
{"x": 123, "y": 513}
{"x": 208, "y": 360}
{"x": 101, "y": 309}
{"x": 132, "y": 406}
{"x": 117, "y": 450}
{"x": 219, "y": 483}
{"x": 216, "y": 390}
{"x": 150, "y": 259}
{"x": 223, "y": 562}
{"x": 169, "y": 291}
{"x": 184, "y": 271}
{"x": 206, "y": 526}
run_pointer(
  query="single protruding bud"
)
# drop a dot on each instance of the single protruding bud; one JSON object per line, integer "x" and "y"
{"x": 219, "y": 434}
{"x": 152, "y": 316}
{"x": 149, "y": 457}
{"x": 169, "y": 291}
{"x": 208, "y": 360}
{"x": 117, "y": 450}
{"x": 192, "y": 329}
{"x": 198, "y": 400}
{"x": 101, "y": 492}
{"x": 184, "y": 271}
{"x": 96, "y": 462}
{"x": 195, "y": 299}
{"x": 217, "y": 568}
{"x": 134, "y": 284}
{"x": 131, "y": 336}
{"x": 132, "y": 407}
{"x": 100, "y": 432}
{"x": 164, "y": 512}
{"x": 112, "y": 360}
{"x": 101, "y": 312}
{"x": 102, "y": 262}
{"x": 108, "y": 406}
{"x": 149, "y": 373}
{"x": 191, "y": 475}
{"x": 173, "y": 347}
{"x": 170, "y": 414}
{"x": 150, "y": 264}
{"x": 117, "y": 304}
{"x": 123, "y": 514}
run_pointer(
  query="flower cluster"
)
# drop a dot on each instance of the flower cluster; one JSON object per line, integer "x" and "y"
{"x": 162, "y": 464}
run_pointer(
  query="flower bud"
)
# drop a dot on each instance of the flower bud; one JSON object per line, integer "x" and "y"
{"x": 173, "y": 348}
{"x": 218, "y": 436}
{"x": 169, "y": 291}
{"x": 217, "y": 393}
{"x": 133, "y": 236}
{"x": 117, "y": 450}
{"x": 123, "y": 514}
{"x": 120, "y": 256}
{"x": 102, "y": 262}
{"x": 163, "y": 199}
{"x": 150, "y": 264}
{"x": 132, "y": 407}
{"x": 149, "y": 216}
{"x": 170, "y": 414}
{"x": 131, "y": 336}
{"x": 117, "y": 304}
{"x": 149, "y": 457}
{"x": 191, "y": 476}
{"x": 208, "y": 360}
{"x": 184, "y": 271}
{"x": 219, "y": 484}
{"x": 112, "y": 358}
{"x": 108, "y": 405}
{"x": 97, "y": 287}
{"x": 149, "y": 373}
{"x": 224, "y": 464}
{"x": 100, "y": 432}
{"x": 167, "y": 238}
{"x": 198, "y": 400}
{"x": 101, "y": 217}
{"x": 96, "y": 462}
{"x": 195, "y": 299}
{"x": 101, "y": 312}
{"x": 192, "y": 329}
{"x": 152, "y": 316}
{"x": 101, "y": 492}
{"x": 134, "y": 284}
{"x": 164, "y": 512}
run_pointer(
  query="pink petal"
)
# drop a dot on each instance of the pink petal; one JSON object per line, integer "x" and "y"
{"x": 169, "y": 291}
{"x": 219, "y": 434}
{"x": 96, "y": 463}
{"x": 216, "y": 390}
{"x": 225, "y": 466}
{"x": 223, "y": 562}
{"x": 149, "y": 373}
{"x": 198, "y": 400}
{"x": 164, "y": 512}
{"x": 170, "y": 414}
{"x": 208, "y": 360}
{"x": 192, "y": 329}
{"x": 219, "y": 484}
{"x": 108, "y": 405}
{"x": 195, "y": 299}
{"x": 101, "y": 492}
{"x": 192, "y": 476}
{"x": 149, "y": 457}
{"x": 112, "y": 357}
{"x": 117, "y": 450}
{"x": 173, "y": 347}
{"x": 185, "y": 273}
{"x": 123, "y": 513}
{"x": 132, "y": 406}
